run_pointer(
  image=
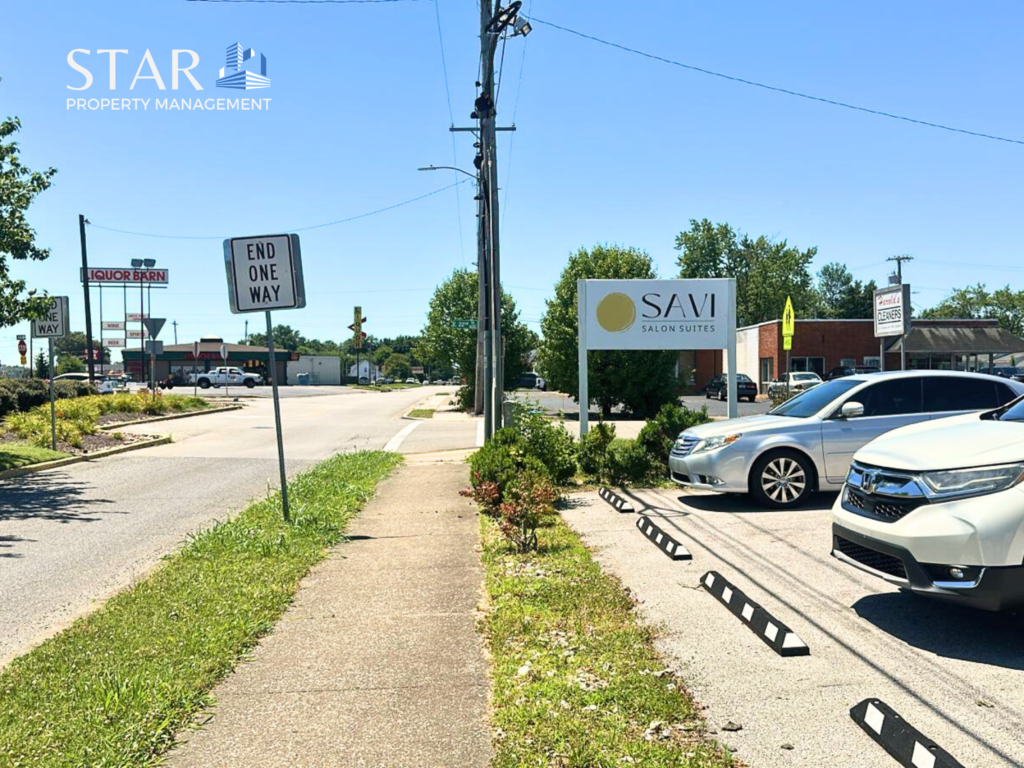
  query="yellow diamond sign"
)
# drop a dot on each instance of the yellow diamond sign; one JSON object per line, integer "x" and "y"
{"x": 788, "y": 318}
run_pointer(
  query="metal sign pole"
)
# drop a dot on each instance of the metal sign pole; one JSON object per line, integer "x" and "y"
{"x": 53, "y": 406}
{"x": 277, "y": 419}
{"x": 581, "y": 323}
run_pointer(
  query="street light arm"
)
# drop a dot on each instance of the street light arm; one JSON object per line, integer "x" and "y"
{"x": 446, "y": 168}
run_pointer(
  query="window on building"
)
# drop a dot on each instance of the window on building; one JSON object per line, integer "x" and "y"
{"x": 802, "y": 364}
{"x": 767, "y": 372}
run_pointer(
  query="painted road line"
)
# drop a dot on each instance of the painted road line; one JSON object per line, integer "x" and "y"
{"x": 904, "y": 743}
{"x": 665, "y": 543}
{"x": 395, "y": 442}
{"x": 781, "y": 638}
{"x": 615, "y": 500}
{"x": 480, "y": 434}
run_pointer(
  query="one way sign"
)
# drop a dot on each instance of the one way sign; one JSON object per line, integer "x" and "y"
{"x": 264, "y": 273}
{"x": 54, "y": 324}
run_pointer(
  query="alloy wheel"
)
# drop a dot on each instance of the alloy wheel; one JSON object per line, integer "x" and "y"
{"x": 783, "y": 480}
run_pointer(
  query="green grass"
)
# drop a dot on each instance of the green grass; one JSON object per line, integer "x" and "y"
{"x": 421, "y": 413}
{"x": 21, "y": 454}
{"x": 576, "y": 681}
{"x": 384, "y": 387}
{"x": 115, "y": 688}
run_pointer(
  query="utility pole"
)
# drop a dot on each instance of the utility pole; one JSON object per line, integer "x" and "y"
{"x": 175, "y": 324}
{"x": 899, "y": 280}
{"x": 247, "y": 333}
{"x": 85, "y": 288}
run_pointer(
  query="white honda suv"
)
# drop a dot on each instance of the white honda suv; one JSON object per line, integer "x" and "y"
{"x": 938, "y": 508}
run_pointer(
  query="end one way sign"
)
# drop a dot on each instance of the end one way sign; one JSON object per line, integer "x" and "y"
{"x": 54, "y": 324}
{"x": 264, "y": 273}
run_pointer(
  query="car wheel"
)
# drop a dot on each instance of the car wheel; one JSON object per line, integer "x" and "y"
{"x": 250, "y": 383}
{"x": 782, "y": 480}
{"x": 204, "y": 384}
{"x": 721, "y": 395}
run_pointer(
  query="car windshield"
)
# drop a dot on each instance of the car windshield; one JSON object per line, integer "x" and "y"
{"x": 743, "y": 377}
{"x": 805, "y": 376}
{"x": 813, "y": 400}
{"x": 1014, "y": 411}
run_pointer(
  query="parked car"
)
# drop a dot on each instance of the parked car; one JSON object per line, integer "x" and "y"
{"x": 531, "y": 380}
{"x": 410, "y": 380}
{"x": 793, "y": 382}
{"x": 105, "y": 385}
{"x": 718, "y": 387}
{"x": 846, "y": 370}
{"x": 938, "y": 509}
{"x": 1005, "y": 371}
{"x": 807, "y": 443}
{"x": 224, "y": 376}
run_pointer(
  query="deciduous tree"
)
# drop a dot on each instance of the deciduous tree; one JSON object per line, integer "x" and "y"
{"x": 1004, "y": 304}
{"x": 842, "y": 297}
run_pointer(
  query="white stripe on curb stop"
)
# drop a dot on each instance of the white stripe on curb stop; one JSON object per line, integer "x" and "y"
{"x": 480, "y": 434}
{"x": 395, "y": 442}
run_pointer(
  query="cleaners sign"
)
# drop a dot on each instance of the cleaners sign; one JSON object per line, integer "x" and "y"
{"x": 264, "y": 273}
{"x": 892, "y": 311}
{"x": 54, "y": 324}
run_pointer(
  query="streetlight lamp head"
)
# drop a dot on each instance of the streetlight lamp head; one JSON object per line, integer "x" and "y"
{"x": 522, "y": 27}
{"x": 428, "y": 168}
{"x": 149, "y": 263}
{"x": 136, "y": 263}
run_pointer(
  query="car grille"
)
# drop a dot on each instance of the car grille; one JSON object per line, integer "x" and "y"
{"x": 885, "y": 510}
{"x": 684, "y": 445}
{"x": 878, "y": 561}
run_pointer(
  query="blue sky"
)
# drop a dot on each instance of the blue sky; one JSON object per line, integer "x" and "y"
{"x": 611, "y": 147}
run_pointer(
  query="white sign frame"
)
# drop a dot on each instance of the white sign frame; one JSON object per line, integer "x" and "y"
{"x": 588, "y": 290}
{"x": 239, "y": 251}
{"x": 894, "y": 299}
{"x": 114, "y": 342}
{"x": 57, "y": 315}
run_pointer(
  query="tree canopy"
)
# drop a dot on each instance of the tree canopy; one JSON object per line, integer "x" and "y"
{"x": 842, "y": 297}
{"x": 640, "y": 381}
{"x": 18, "y": 188}
{"x": 75, "y": 344}
{"x": 977, "y": 302}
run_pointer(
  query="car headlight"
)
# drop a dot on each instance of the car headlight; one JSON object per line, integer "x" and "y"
{"x": 954, "y": 483}
{"x": 714, "y": 443}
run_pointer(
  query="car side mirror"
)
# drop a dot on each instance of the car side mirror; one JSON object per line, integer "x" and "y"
{"x": 851, "y": 410}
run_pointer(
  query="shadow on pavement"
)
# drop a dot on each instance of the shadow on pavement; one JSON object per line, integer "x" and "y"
{"x": 950, "y": 631}
{"x": 6, "y": 542}
{"x": 47, "y": 496}
{"x": 735, "y": 503}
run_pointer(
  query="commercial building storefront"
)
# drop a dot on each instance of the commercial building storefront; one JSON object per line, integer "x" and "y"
{"x": 821, "y": 345}
{"x": 178, "y": 359}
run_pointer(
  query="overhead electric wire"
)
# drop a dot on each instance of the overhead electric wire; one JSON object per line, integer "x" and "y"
{"x": 512, "y": 135}
{"x": 294, "y": 229}
{"x": 777, "y": 89}
{"x": 451, "y": 118}
{"x": 307, "y": 2}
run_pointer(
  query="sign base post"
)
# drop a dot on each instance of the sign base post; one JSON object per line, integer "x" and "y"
{"x": 277, "y": 420}
{"x": 53, "y": 406}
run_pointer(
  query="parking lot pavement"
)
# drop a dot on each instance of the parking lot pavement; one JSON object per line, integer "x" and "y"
{"x": 955, "y": 674}
{"x": 556, "y": 402}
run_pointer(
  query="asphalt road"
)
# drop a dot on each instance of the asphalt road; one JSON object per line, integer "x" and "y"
{"x": 557, "y": 402}
{"x": 955, "y": 674}
{"x": 73, "y": 535}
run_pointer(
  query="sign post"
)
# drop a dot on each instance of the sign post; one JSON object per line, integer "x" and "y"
{"x": 265, "y": 273}
{"x": 656, "y": 315}
{"x": 54, "y": 325}
{"x": 195, "y": 369}
{"x": 892, "y": 318}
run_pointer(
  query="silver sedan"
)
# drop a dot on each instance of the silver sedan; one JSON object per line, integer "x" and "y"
{"x": 806, "y": 444}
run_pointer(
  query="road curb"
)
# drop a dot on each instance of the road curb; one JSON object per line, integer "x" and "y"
{"x": 619, "y": 503}
{"x": 664, "y": 542}
{"x": 44, "y": 465}
{"x": 171, "y": 417}
{"x": 904, "y": 743}
{"x": 773, "y": 632}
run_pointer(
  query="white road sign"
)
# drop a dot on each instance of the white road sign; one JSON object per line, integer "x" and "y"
{"x": 134, "y": 334}
{"x": 264, "y": 273}
{"x": 55, "y": 324}
{"x": 892, "y": 311}
{"x": 135, "y": 317}
{"x": 118, "y": 342}
{"x": 112, "y": 325}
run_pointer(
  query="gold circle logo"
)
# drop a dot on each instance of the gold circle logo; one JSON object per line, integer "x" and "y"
{"x": 616, "y": 312}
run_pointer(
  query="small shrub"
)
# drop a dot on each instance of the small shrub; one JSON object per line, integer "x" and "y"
{"x": 527, "y": 501}
{"x": 487, "y": 495}
{"x": 593, "y": 452}
{"x": 466, "y": 397}
{"x": 628, "y": 462}
{"x": 8, "y": 402}
{"x": 502, "y": 462}
{"x": 550, "y": 443}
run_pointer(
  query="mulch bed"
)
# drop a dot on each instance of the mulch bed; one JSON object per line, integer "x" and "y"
{"x": 101, "y": 441}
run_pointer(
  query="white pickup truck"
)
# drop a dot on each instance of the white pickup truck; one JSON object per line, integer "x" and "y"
{"x": 224, "y": 377}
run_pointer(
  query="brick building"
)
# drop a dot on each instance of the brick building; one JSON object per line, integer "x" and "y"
{"x": 821, "y": 345}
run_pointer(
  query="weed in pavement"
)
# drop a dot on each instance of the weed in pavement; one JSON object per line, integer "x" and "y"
{"x": 576, "y": 680}
{"x": 115, "y": 688}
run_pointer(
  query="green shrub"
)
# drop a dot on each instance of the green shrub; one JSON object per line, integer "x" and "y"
{"x": 593, "y": 452}
{"x": 8, "y": 402}
{"x": 527, "y": 501}
{"x": 628, "y": 462}
{"x": 466, "y": 398}
{"x": 658, "y": 434}
{"x": 550, "y": 443}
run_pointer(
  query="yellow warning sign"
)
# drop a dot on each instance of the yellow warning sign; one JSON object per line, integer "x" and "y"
{"x": 787, "y": 343}
{"x": 788, "y": 318}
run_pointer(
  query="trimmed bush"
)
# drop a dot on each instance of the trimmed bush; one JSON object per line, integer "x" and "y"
{"x": 551, "y": 444}
{"x": 594, "y": 450}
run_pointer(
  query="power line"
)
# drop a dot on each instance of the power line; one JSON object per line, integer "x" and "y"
{"x": 451, "y": 118}
{"x": 306, "y": 2}
{"x": 295, "y": 229}
{"x": 777, "y": 89}
{"x": 512, "y": 136}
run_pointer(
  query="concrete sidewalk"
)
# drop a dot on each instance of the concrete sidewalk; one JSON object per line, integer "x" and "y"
{"x": 377, "y": 663}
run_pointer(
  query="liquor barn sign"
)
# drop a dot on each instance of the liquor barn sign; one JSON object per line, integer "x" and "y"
{"x": 127, "y": 275}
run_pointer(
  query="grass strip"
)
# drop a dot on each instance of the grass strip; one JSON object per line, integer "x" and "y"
{"x": 421, "y": 413}
{"x": 16, "y": 454}
{"x": 576, "y": 680}
{"x": 115, "y": 688}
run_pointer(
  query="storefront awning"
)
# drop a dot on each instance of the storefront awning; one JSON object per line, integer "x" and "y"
{"x": 959, "y": 340}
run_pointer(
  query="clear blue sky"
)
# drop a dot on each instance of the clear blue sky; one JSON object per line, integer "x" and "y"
{"x": 611, "y": 147}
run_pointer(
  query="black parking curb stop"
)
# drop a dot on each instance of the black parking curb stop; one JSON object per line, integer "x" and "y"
{"x": 665, "y": 543}
{"x": 904, "y": 743}
{"x": 773, "y": 632}
{"x": 615, "y": 500}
